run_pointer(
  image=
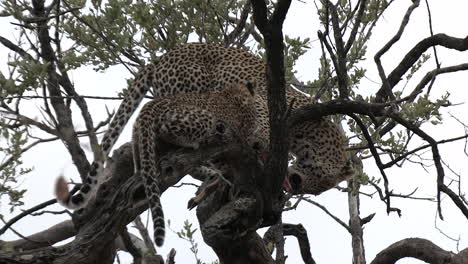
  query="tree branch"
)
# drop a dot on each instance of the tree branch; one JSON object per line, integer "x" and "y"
{"x": 421, "y": 249}
{"x": 48, "y": 237}
{"x": 357, "y": 23}
{"x": 386, "y": 83}
{"x": 460, "y": 44}
{"x": 25, "y": 213}
{"x": 438, "y": 164}
{"x": 65, "y": 123}
{"x": 271, "y": 30}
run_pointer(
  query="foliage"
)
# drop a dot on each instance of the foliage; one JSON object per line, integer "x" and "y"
{"x": 111, "y": 32}
{"x": 186, "y": 233}
{"x": 11, "y": 143}
{"x": 420, "y": 112}
{"x": 294, "y": 48}
{"x": 102, "y": 34}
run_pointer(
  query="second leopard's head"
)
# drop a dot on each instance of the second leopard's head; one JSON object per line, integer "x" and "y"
{"x": 245, "y": 91}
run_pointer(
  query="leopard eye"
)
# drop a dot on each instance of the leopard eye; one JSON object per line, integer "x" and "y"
{"x": 251, "y": 88}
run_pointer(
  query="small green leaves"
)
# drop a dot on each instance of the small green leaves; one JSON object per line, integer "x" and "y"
{"x": 293, "y": 49}
{"x": 417, "y": 65}
{"x": 425, "y": 110}
{"x": 11, "y": 144}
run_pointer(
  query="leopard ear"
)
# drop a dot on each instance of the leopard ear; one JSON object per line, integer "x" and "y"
{"x": 252, "y": 85}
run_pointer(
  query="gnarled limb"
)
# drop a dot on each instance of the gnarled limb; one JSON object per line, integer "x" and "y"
{"x": 421, "y": 249}
{"x": 299, "y": 232}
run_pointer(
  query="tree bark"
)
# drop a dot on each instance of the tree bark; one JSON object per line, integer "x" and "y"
{"x": 421, "y": 249}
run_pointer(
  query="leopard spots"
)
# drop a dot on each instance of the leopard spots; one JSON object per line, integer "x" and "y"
{"x": 190, "y": 121}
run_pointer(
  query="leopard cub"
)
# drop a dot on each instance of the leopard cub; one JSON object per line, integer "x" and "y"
{"x": 188, "y": 120}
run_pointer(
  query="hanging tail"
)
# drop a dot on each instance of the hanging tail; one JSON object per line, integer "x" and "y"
{"x": 149, "y": 171}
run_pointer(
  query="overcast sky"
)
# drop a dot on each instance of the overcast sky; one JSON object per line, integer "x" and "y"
{"x": 326, "y": 236}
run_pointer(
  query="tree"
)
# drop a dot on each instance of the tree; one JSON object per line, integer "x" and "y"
{"x": 391, "y": 126}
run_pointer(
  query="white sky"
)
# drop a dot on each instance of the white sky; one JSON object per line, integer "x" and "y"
{"x": 326, "y": 236}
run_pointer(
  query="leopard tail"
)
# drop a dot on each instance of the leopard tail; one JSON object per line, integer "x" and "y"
{"x": 149, "y": 171}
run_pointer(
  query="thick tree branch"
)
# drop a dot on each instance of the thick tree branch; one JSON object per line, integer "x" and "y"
{"x": 271, "y": 30}
{"x": 318, "y": 110}
{"x": 65, "y": 123}
{"x": 298, "y": 231}
{"x": 355, "y": 225}
{"x": 145, "y": 235}
{"x": 260, "y": 15}
{"x": 137, "y": 244}
{"x": 131, "y": 247}
{"x": 228, "y": 224}
{"x": 48, "y": 237}
{"x": 421, "y": 249}
{"x": 5, "y": 42}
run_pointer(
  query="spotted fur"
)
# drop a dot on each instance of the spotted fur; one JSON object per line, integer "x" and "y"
{"x": 320, "y": 161}
{"x": 191, "y": 121}
{"x": 199, "y": 67}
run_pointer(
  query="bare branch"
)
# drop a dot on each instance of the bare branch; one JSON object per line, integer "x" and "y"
{"x": 421, "y": 249}
{"x": 241, "y": 23}
{"x": 30, "y": 146}
{"x": 144, "y": 233}
{"x": 323, "y": 208}
{"x": 340, "y": 63}
{"x": 438, "y": 164}
{"x": 378, "y": 161}
{"x": 25, "y": 213}
{"x": 300, "y": 233}
{"x": 357, "y": 23}
{"x": 26, "y": 121}
{"x": 386, "y": 83}
{"x": 131, "y": 248}
{"x": 65, "y": 123}
{"x": 355, "y": 225}
{"x": 430, "y": 77}
{"x": 460, "y": 44}
{"x": 405, "y": 155}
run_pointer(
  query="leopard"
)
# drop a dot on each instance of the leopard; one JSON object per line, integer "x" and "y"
{"x": 188, "y": 121}
{"x": 317, "y": 155}
{"x": 195, "y": 68}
